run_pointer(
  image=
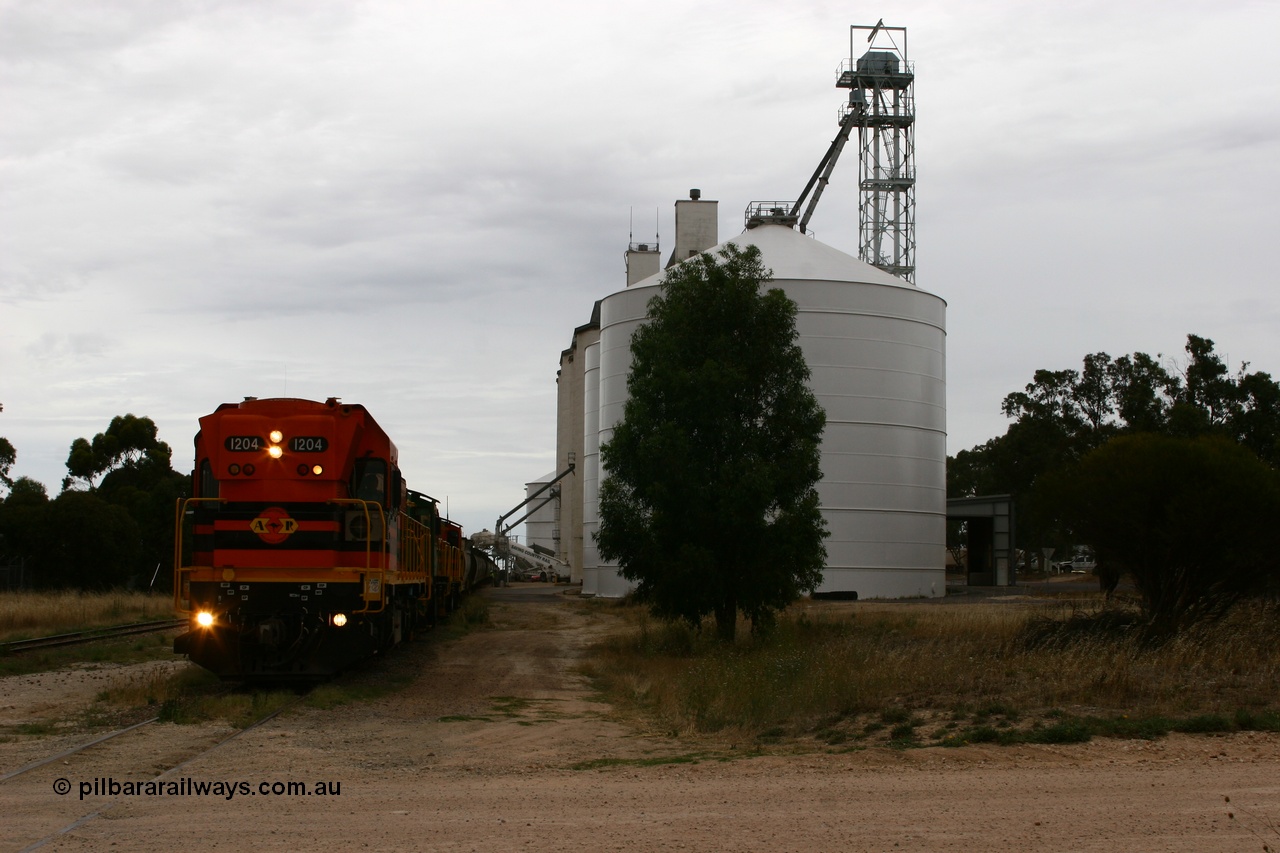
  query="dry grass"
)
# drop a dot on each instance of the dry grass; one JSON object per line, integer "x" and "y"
{"x": 38, "y": 614}
{"x": 946, "y": 673}
{"x": 156, "y": 686}
{"x": 189, "y": 695}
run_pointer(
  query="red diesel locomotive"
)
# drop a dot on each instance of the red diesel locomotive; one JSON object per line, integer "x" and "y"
{"x": 305, "y": 551}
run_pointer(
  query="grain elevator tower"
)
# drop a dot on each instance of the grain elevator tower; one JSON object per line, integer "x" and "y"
{"x": 882, "y": 103}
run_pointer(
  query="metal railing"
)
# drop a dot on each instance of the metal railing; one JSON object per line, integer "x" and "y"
{"x": 849, "y": 69}
{"x": 771, "y": 213}
{"x": 372, "y": 580}
{"x": 181, "y": 604}
{"x": 369, "y": 584}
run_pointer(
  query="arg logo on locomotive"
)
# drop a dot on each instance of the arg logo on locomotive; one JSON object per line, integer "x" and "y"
{"x": 274, "y": 525}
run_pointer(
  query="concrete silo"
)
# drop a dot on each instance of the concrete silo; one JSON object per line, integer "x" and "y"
{"x": 591, "y": 470}
{"x": 570, "y": 387}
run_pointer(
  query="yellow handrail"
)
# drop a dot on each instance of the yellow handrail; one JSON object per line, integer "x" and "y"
{"x": 178, "y": 569}
{"x": 414, "y": 536}
{"x": 369, "y": 508}
{"x": 369, "y": 571}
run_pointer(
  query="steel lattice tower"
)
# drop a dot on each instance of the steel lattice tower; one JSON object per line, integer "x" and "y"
{"x": 882, "y": 101}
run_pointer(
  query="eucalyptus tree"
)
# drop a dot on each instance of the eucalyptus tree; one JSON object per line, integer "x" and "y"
{"x": 1062, "y": 415}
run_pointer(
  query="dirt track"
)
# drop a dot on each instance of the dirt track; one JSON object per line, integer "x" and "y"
{"x": 479, "y": 754}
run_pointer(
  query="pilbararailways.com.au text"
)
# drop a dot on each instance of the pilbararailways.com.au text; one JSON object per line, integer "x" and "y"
{"x": 188, "y": 787}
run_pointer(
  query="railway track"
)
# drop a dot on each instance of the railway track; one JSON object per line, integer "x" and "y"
{"x": 99, "y": 810}
{"x": 110, "y": 748}
{"x": 74, "y": 750}
{"x": 77, "y": 638}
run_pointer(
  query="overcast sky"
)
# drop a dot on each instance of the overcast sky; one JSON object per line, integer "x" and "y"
{"x": 411, "y": 205}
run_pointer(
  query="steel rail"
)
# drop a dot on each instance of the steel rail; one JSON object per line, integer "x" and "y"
{"x": 81, "y": 821}
{"x": 101, "y": 739}
{"x": 76, "y": 638}
{"x": 81, "y": 748}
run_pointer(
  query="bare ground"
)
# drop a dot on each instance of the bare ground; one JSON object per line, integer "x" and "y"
{"x": 498, "y": 744}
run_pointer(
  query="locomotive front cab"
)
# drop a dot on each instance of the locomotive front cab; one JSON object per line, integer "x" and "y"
{"x": 296, "y": 542}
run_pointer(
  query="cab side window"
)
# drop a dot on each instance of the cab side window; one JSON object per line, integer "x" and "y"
{"x": 208, "y": 486}
{"x": 370, "y": 480}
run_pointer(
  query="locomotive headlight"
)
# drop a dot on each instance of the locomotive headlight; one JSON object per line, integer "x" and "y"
{"x": 339, "y": 619}
{"x": 204, "y": 619}
{"x": 276, "y": 436}
{"x": 274, "y": 450}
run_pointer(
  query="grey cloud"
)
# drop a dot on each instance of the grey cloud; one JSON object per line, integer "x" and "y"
{"x": 76, "y": 348}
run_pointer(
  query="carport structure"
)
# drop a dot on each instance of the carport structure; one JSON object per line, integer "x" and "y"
{"x": 990, "y": 538}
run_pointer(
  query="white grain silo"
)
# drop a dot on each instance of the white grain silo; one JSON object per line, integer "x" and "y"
{"x": 569, "y": 442}
{"x": 542, "y": 524}
{"x": 591, "y": 470}
{"x": 875, "y": 345}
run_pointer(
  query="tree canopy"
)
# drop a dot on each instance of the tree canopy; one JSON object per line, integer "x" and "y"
{"x": 8, "y": 456}
{"x": 1135, "y": 393}
{"x": 709, "y": 499}
{"x": 1167, "y": 472}
{"x": 116, "y": 531}
{"x": 129, "y": 442}
{"x": 1061, "y": 415}
{"x": 1195, "y": 521}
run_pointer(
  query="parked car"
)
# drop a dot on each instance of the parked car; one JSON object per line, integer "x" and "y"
{"x": 1082, "y": 564}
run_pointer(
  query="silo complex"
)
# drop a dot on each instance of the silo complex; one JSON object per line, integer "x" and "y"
{"x": 875, "y": 345}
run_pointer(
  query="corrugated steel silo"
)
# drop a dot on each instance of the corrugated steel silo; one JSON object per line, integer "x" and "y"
{"x": 875, "y": 345}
